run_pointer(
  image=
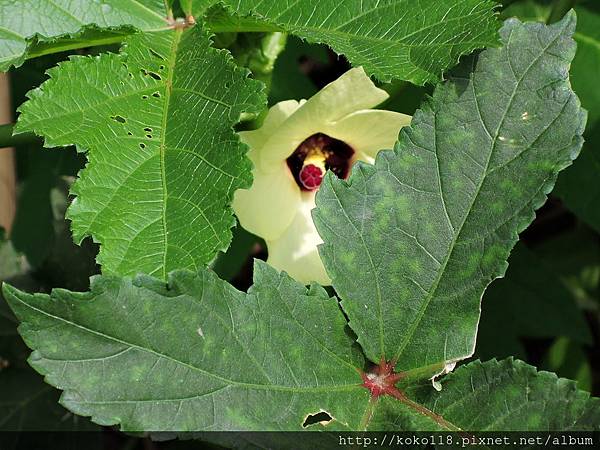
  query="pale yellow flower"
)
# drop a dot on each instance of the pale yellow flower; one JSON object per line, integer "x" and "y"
{"x": 297, "y": 142}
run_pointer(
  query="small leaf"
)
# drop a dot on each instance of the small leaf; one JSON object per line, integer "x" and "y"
{"x": 156, "y": 121}
{"x": 506, "y": 395}
{"x": 569, "y": 360}
{"x": 25, "y": 25}
{"x": 412, "y": 243}
{"x": 390, "y": 38}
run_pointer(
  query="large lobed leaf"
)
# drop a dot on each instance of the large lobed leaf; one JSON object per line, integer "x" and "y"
{"x": 156, "y": 121}
{"x": 199, "y": 355}
{"x": 390, "y": 38}
{"x": 25, "y": 23}
{"x": 412, "y": 242}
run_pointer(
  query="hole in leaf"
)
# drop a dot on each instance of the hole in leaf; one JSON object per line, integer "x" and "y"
{"x": 119, "y": 119}
{"x": 129, "y": 133}
{"x": 151, "y": 74}
{"x": 142, "y": 145}
{"x": 321, "y": 417}
{"x": 161, "y": 67}
{"x": 148, "y": 129}
{"x": 155, "y": 53}
{"x": 156, "y": 95}
{"x": 149, "y": 136}
{"x": 144, "y": 97}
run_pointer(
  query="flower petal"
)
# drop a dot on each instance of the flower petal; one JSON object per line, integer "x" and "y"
{"x": 369, "y": 131}
{"x": 269, "y": 206}
{"x": 277, "y": 114}
{"x": 296, "y": 250}
{"x": 351, "y": 92}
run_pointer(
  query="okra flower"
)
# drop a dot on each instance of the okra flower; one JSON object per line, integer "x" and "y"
{"x": 291, "y": 152}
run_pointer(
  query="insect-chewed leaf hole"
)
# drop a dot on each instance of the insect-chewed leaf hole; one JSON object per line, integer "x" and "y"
{"x": 118, "y": 118}
{"x": 321, "y": 417}
{"x": 144, "y": 97}
{"x": 142, "y": 145}
{"x": 149, "y": 73}
{"x": 155, "y": 53}
{"x": 156, "y": 95}
{"x": 148, "y": 130}
{"x": 129, "y": 133}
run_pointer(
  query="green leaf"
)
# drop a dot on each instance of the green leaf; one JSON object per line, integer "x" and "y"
{"x": 258, "y": 52}
{"x": 11, "y": 262}
{"x": 198, "y": 355}
{"x": 40, "y": 171}
{"x": 575, "y": 259}
{"x": 289, "y": 81}
{"x": 578, "y": 186}
{"x": 186, "y": 5}
{"x": 530, "y": 289}
{"x": 229, "y": 264}
{"x": 529, "y": 10}
{"x": 156, "y": 121}
{"x": 412, "y": 242}
{"x": 587, "y": 62}
{"x": 258, "y": 361}
{"x": 568, "y": 359}
{"x": 42, "y": 24}
{"x": 503, "y": 395}
{"x": 390, "y": 38}
{"x": 28, "y": 404}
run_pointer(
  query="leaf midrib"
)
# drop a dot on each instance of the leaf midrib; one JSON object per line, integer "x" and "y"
{"x": 337, "y": 29}
{"x": 452, "y": 246}
{"x": 328, "y": 388}
{"x": 163, "y": 139}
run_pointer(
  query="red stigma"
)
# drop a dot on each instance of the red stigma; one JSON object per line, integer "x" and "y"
{"x": 382, "y": 380}
{"x": 311, "y": 177}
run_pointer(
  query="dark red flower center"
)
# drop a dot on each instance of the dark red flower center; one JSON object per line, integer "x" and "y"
{"x": 317, "y": 154}
{"x": 311, "y": 176}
